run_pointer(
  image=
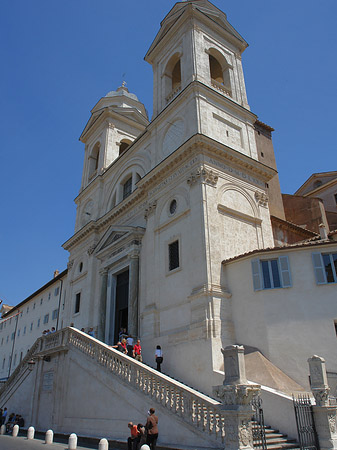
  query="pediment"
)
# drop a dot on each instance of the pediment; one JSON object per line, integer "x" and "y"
{"x": 118, "y": 236}
{"x": 204, "y": 7}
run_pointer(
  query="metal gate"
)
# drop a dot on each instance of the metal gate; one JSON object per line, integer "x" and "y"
{"x": 307, "y": 435}
{"x": 259, "y": 432}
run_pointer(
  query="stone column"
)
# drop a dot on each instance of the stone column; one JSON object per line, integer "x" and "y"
{"x": 133, "y": 294}
{"x": 236, "y": 396}
{"x": 102, "y": 304}
{"x": 325, "y": 416}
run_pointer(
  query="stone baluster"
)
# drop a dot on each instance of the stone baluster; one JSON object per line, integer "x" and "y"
{"x": 325, "y": 416}
{"x": 236, "y": 396}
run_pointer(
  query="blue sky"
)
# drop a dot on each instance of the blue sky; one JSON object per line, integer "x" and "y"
{"x": 60, "y": 57}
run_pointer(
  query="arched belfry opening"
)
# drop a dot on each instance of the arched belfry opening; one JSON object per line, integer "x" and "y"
{"x": 93, "y": 160}
{"x": 124, "y": 145}
{"x": 219, "y": 71}
{"x": 172, "y": 76}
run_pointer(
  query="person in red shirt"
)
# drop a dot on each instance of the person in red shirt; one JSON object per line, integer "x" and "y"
{"x": 133, "y": 439}
{"x": 137, "y": 351}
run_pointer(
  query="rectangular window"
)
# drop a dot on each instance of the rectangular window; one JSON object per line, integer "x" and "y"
{"x": 24, "y": 330}
{"x": 335, "y": 198}
{"x": 18, "y": 332}
{"x": 77, "y": 302}
{"x": 12, "y": 336}
{"x": 127, "y": 188}
{"x": 49, "y": 295}
{"x": 54, "y": 314}
{"x": 271, "y": 273}
{"x": 56, "y": 292}
{"x": 34, "y": 305}
{"x": 27, "y": 309}
{"x": 38, "y": 323}
{"x": 41, "y": 301}
{"x": 325, "y": 267}
{"x": 7, "y": 339}
{"x": 46, "y": 318}
{"x": 31, "y": 326}
{"x": 173, "y": 250}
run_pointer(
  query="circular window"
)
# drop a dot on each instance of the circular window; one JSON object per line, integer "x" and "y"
{"x": 81, "y": 267}
{"x": 173, "y": 206}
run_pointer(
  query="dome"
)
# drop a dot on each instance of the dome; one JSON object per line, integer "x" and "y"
{"x": 122, "y": 90}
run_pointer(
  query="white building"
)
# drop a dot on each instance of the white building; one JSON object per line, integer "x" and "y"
{"x": 172, "y": 216}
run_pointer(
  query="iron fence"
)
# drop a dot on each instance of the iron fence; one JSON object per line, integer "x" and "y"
{"x": 307, "y": 435}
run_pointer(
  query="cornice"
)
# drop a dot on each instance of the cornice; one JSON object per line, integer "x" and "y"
{"x": 197, "y": 144}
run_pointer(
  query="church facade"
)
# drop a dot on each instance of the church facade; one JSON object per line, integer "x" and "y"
{"x": 174, "y": 239}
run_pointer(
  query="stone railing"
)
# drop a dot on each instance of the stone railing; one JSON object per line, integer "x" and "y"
{"x": 221, "y": 87}
{"x": 23, "y": 366}
{"x": 173, "y": 93}
{"x": 191, "y": 406}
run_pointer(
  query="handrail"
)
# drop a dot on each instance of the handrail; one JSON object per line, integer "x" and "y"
{"x": 22, "y": 364}
{"x": 190, "y": 405}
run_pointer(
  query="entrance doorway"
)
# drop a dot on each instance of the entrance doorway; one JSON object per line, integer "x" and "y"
{"x": 122, "y": 299}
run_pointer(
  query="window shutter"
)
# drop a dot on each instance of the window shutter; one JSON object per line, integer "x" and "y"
{"x": 319, "y": 268}
{"x": 257, "y": 279}
{"x": 285, "y": 271}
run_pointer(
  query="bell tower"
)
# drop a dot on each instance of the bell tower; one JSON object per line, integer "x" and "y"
{"x": 196, "y": 43}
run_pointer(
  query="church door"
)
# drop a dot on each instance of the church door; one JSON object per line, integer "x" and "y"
{"x": 122, "y": 298}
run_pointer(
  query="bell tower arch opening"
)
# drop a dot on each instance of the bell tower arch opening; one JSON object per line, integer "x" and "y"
{"x": 93, "y": 160}
{"x": 172, "y": 75}
{"x": 219, "y": 71}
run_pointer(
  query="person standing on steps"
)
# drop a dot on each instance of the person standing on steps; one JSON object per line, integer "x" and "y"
{"x": 159, "y": 357}
{"x": 152, "y": 429}
{"x": 137, "y": 351}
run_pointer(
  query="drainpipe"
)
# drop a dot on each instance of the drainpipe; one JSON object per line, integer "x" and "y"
{"x": 16, "y": 327}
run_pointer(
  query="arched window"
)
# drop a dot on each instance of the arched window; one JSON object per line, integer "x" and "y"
{"x": 93, "y": 160}
{"x": 124, "y": 145}
{"x": 172, "y": 76}
{"x": 219, "y": 72}
{"x": 127, "y": 188}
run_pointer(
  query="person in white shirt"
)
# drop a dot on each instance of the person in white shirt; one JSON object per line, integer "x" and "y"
{"x": 159, "y": 357}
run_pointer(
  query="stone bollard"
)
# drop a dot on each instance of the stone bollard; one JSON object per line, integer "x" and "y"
{"x": 236, "y": 395}
{"x": 49, "y": 437}
{"x": 15, "y": 431}
{"x": 103, "y": 445}
{"x": 144, "y": 447}
{"x": 30, "y": 433}
{"x": 3, "y": 429}
{"x": 325, "y": 416}
{"x": 72, "y": 442}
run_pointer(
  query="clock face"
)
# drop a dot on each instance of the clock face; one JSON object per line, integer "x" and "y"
{"x": 87, "y": 213}
{"x": 173, "y": 137}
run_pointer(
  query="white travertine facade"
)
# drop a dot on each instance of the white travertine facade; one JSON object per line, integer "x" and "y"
{"x": 173, "y": 238}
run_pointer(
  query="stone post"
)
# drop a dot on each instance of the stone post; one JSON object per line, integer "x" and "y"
{"x": 102, "y": 307}
{"x": 72, "y": 442}
{"x": 15, "y": 431}
{"x": 103, "y": 445}
{"x": 236, "y": 396}
{"x": 133, "y": 294}
{"x": 49, "y": 437}
{"x": 30, "y": 433}
{"x": 325, "y": 416}
{"x": 3, "y": 429}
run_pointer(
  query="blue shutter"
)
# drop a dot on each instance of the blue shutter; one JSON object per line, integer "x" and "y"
{"x": 257, "y": 279}
{"x": 319, "y": 268}
{"x": 285, "y": 271}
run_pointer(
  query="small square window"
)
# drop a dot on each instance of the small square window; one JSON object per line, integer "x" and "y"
{"x": 56, "y": 292}
{"x": 77, "y": 303}
{"x": 41, "y": 301}
{"x": 174, "y": 255}
{"x": 54, "y": 314}
{"x": 31, "y": 326}
{"x": 38, "y": 323}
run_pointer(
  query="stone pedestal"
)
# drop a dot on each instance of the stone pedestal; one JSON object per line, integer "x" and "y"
{"x": 236, "y": 396}
{"x": 325, "y": 415}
